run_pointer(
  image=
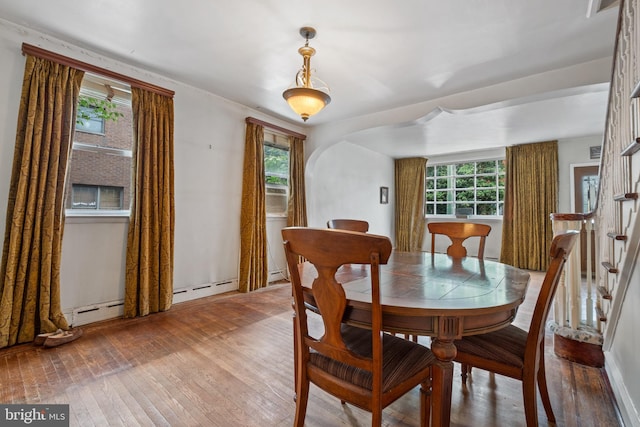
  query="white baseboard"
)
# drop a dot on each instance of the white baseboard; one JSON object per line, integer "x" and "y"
{"x": 97, "y": 312}
{"x": 277, "y": 275}
{"x": 111, "y": 310}
{"x": 204, "y": 290}
{"x": 628, "y": 411}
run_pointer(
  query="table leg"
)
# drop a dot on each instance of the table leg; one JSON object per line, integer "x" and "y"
{"x": 442, "y": 384}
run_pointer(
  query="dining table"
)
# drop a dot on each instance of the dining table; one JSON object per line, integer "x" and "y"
{"x": 435, "y": 295}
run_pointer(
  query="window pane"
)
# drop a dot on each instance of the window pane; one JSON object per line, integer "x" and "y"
{"x": 88, "y": 121}
{"x": 486, "y": 181}
{"x": 430, "y": 170}
{"x": 442, "y": 196}
{"x": 464, "y": 182}
{"x": 429, "y": 184}
{"x": 111, "y": 198}
{"x": 501, "y": 194}
{"x": 443, "y": 209}
{"x": 276, "y": 165}
{"x": 429, "y": 196}
{"x": 501, "y": 166}
{"x": 84, "y": 197}
{"x": 486, "y": 209}
{"x": 429, "y": 210}
{"x": 486, "y": 167}
{"x": 465, "y": 195}
{"x": 465, "y": 169}
{"x": 442, "y": 170}
{"x": 486, "y": 195}
{"x": 442, "y": 183}
{"x": 464, "y": 205}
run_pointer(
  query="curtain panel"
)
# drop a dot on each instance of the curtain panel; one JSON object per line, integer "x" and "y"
{"x": 150, "y": 239}
{"x": 531, "y": 195}
{"x": 30, "y": 269}
{"x": 297, "y": 206}
{"x": 409, "y": 221}
{"x": 253, "y": 268}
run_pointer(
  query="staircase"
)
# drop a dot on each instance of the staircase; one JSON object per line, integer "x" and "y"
{"x": 586, "y": 313}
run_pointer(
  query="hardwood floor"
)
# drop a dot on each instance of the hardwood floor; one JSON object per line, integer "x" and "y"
{"x": 227, "y": 361}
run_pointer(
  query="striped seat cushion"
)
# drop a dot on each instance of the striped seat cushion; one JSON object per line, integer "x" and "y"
{"x": 506, "y": 346}
{"x": 401, "y": 359}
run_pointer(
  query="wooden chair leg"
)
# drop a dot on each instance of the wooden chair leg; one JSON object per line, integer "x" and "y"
{"x": 465, "y": 370}
{"x": 425, "y": 404}
{"x": 302, "y": 396}
{"x": 542, "y": 386}
{"x": 530, "y": 398}
{"x": 295, "y": 358}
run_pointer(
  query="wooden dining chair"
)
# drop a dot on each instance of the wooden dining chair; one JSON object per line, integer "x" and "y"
{"x": 364, "y": 367}
{"x": 349, "y": 224}
{"x": 458, "y": 232}
{"x": 517, "y": 353}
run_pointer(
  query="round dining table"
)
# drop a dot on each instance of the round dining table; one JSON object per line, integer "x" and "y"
{"x": 433, "y": 295}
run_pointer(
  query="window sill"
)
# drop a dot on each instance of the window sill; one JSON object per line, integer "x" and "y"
{"x": 83, "y": 217}
{"x": 470, "y": 217}
{"x": 276, "y": 216}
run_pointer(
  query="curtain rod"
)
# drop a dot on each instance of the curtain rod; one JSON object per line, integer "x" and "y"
{"x": 275, "y": 127}
{"x": 83, "y": 66}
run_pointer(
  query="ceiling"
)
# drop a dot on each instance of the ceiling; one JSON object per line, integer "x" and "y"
{"x": 375, "y": 55}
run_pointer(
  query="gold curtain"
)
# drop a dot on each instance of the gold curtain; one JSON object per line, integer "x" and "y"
{"x": 253, "y": 218}
{"x": 531, "y": 195}
{"x": 150, "y": 239}
{"x": 410, "y": 176}
{"x": 297, "y": 207}
{"x": 30, "y": 269}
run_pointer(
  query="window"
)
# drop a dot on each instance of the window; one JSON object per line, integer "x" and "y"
{"x": 96, "y": 197}
{"x": 475, "y": 188}
{"x": 99, "y": 177}
{"x": 276, "y": 170}
{"x": 89, "y": 121}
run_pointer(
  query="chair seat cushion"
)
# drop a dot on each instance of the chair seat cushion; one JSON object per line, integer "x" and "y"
{"x": 401, "y": 359}
{"x": 506, "y": 346}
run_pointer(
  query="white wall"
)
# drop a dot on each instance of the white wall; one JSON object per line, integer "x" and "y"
{"x": 344, "y": 180}
{"x": 573, "y": 152}
{"x": 209, "y": 149}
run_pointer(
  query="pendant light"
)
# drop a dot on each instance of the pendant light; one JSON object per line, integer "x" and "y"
{"x": 309, "y": 95}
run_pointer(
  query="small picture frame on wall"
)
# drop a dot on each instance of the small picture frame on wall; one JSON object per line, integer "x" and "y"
{"x": 594, "y": 152}
{"x": 384, "y": 195}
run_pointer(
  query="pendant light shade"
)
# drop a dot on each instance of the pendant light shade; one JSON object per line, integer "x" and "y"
{"x": 309, "y": 95}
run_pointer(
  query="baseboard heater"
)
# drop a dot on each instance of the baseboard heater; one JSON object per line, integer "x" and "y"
{"x": 110, "y": 310}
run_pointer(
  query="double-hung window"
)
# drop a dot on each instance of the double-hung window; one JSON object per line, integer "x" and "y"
{"x": 470, "y": 188}
{"x": 99, "y": 176}
{"x": 276, "y": 170}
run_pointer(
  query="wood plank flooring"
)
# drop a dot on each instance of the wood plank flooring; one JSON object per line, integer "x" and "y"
{"x": 227, "y": 361}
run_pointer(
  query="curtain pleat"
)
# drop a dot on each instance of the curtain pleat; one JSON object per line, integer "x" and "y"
{"x": 30, "y": 269}
{"x": 531, "y": 195}
{"x": 297, "y": 206}
{"x": 409, "y": 189}
{"x": 253, "y": 268}
{"x": 150, "y": 239}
